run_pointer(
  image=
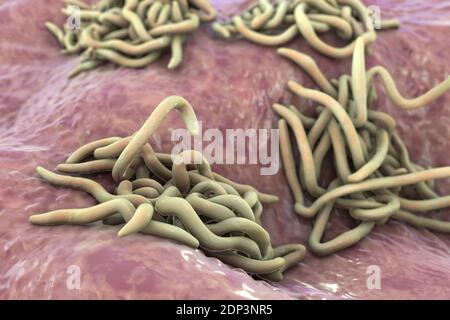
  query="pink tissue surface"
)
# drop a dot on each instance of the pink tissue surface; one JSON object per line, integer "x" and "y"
{"x": 44, "y": 117}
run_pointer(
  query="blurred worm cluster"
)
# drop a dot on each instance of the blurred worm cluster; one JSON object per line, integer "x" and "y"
{"x": 177, "y": 198}
{"x": 374, "y": 177}
{"x": 276, "y": 24}
{"x": 130, "y": 33}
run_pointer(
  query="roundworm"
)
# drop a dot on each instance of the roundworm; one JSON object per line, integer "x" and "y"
{"x": 180, "y": 173}
{"x": 142, "y": 172}
{"x": 71, "y": 42}
{"x": 88, "y": 149}
{"x": 308, "y": 122}
{"x": 422, "y": 222}
{"x": 206, "y": 7}
{"x": 398, "y": 99}
{"x": 308, "y": 166}
{"x": 184, "y": 5}
{"x": 422, "y": 187}
{"x": 289, "y": 162}
{"x": 391, "y": 171}
{"x": 384, "y": 118}
{"x": 125, "y": 47}
{"x": 257, "y": 212}
{"x": 114, "y": 17}
{"x": 250, "y": 228}
{"x": 112, "y": 150}
{"x": 87, "y": 215}
{"x": 340, "y": 114}
{"x": 255, "y": 12}
{"x": 378, "y": 214}
{"x": 230, "y": 190}
{"x": 323, "y": 6}
{"x": 359, "y": 7}
{"x": 344, "y": 29}
{"x": 116, "y": 34}
{"x": 251, "y": 198}
{"x": 340, "y": 154}
{"x": 151, "y": 124}
{"x": 368, "y": 203}
{"x": 243, "y": 188}
{"x": 113, "y": 220}
{"x": 280, "y": 12}
{"x": 425, "y": 205}
{"x": 185, "y": 26}
{"x": 236, "y": 204}
{"x": 204, "y": 207}
{"x": 343, "y": 241}
{"x": 250, "y": 265}
{"x": 317, "y": 26}
{"x": 153, "y": 14}
{"x": 133, "y": 35}
{"x": 164, "y": 14}
{"x": 57, "y": 32}
{"x": 177, "y": 51}
{"x": 147, "y": 192}
{"x": 168, "y": 231}
{"x": 125, "y": 187}
{"x": 102, "y": 5}
{"x": 134, "y": 20}
{"x": 209, "y": 188}
{"x": 431, "y": 183}
{"x": 319, "y": 127}
{"x": 84, "y": 14}
{"x": 310, "y": 66}
{"x": 99, "y": 27}
{"x": 309, "y": 34}
{"x": 83, "y": 67}
{"x": 89, "y": 167}
{"x": 87, "y": 185}
{"x": 390, "y": 24}
{"x": 143, "y": 7}
{"x": 153, "y": 163}
{"x": 77, "y": 3}
{"x": 359, "y": 83}
{"x": 291, "y": 253}
{"x": 259, "y": 20}
{"x": 127, "y": 62}
{"x": 392, "y": 160}
{"x": 182, "y": 210}
{"x": 149, "y": 183}
{"x": 373, "y": 184}
{"x": 221, "y": 30}
{"x": 377, "y": 160}
{"x": 140, "y": 219}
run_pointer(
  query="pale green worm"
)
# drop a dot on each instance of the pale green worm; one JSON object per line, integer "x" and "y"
{"x": 151, "y": 124}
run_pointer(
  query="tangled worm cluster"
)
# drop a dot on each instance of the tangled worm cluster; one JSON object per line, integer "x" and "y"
{"x": 375, "y": 179}
{"x": 177, "y": 198}
{"x": 131, "y": 33}
{"x": 276, "y": 24}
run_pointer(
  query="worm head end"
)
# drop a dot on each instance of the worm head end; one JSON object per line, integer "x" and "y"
{"x": 122, "y": 233}
{"x": 36, "y": 219}
{"x": 41, "y": 171}
{"x": 283, "y": 51}
{"x": 294, "y": 86}
{"x": 32, "y": 219}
